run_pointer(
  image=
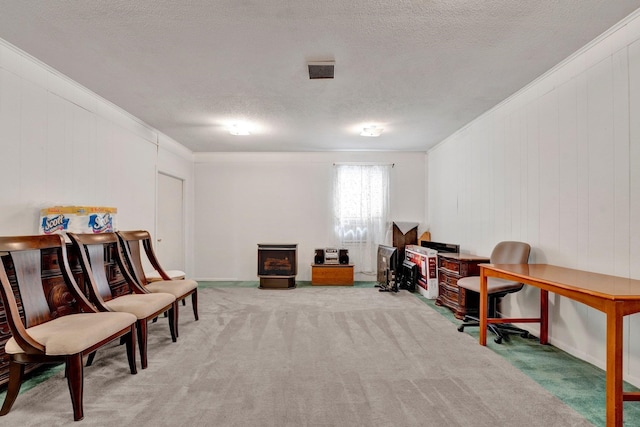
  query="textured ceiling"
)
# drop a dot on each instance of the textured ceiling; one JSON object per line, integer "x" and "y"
{"x": 419, "y": 69}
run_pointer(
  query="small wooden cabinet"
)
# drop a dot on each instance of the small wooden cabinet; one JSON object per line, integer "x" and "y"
{"x": 332, "y": 274}
{"x": 452, "y": 267}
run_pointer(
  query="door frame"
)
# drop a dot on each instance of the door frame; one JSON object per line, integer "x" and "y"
{"x": 183, "y": 227}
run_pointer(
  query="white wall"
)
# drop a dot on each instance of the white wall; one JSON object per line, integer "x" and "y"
{"x": 558, "y": 166}
{"x": 61, "y": 144}
{"x": 243, "y": 199}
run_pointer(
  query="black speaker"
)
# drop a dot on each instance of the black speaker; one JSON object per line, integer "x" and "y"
{"x": 343, "y": 256}
{"x": 409, "y": 277}
{"x": 319, "y": 257}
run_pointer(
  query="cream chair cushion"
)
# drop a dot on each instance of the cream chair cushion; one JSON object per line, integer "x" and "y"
{"x": 173, "y": 287}
{"x": 154, "y": 276}
{"x": 140, "y": 305}
{"x": 494, "y": 285}
{"x": 74, "y": 333}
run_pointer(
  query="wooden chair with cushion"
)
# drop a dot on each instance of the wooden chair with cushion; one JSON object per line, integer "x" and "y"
{"x": 507, "y": 252}
{"x": 133, "y": 299}
{"x": 50, "y": 319}
{"x": 132, "y": 242}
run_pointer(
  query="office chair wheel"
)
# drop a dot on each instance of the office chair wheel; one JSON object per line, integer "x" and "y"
{"x": 498, "y": 340}
{"x": 461, "y": 328}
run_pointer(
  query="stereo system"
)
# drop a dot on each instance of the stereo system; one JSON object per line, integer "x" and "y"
{"x": 331, "y": 256}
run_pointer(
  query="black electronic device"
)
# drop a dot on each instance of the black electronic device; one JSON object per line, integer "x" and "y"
{"x": 343, "y": 256}
{"x": 409, "y": 276}
{"x": 441, "y": 247}
{"x": 387, "y": 268}
{"x": 319, "y": 257}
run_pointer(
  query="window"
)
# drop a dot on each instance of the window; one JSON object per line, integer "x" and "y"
{"x": 361, "y": 205}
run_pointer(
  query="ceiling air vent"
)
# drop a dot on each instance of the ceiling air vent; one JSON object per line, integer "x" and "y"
{"x": 321, "y": 69}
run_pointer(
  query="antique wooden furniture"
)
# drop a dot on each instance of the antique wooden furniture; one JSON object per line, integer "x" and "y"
{"x": 144, "y": 305}
{"x": 451, "y": 267}
{"x": 615, "y": 296}
{"x": 332, "y": 274}
{"x": 507, "y": 252}
{"x": 50, "y": 319}
{"x": 404, "y": 233}
{"x": 132, "y": 241}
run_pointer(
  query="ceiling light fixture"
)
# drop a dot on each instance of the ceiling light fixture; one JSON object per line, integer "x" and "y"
{"x": 371, "y": 131}
{"x": 239, "y": 129}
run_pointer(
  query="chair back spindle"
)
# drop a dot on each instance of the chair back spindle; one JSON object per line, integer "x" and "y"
{"x": 28, "y": 269}
{"x": 136, "y": 262}
{"x": 95, "y": 255}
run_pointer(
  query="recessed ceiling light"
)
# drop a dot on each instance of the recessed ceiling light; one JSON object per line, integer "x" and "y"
{"x": 371, "y": 131}
{"x": 239, "y": 129}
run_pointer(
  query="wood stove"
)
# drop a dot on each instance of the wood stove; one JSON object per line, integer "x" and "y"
{"x": 277, "y": 265}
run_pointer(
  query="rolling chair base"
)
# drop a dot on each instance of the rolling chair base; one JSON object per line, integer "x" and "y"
{"x": 501, "y": 332}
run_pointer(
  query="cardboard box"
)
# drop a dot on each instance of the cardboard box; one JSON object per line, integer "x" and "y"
{"x": 427, "y": 262}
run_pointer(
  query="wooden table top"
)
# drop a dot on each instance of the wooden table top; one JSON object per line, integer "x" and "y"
{"x": 600, "y": 285}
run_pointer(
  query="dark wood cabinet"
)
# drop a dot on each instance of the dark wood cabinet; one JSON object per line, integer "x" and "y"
{"x": 58, "y": 296}
{"x": 452, "y": 267}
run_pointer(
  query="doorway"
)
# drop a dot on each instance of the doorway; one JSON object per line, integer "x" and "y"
{"x": 169, "y": 243}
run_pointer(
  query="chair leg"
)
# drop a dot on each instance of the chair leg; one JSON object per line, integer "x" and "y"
{"x": 173, "y": 325}
{"x": 75, "y": 380}
{"x": 142, "y": 342}
{"x": 184, "y": 302}
{"x": 194, "y": 302}
{"x": 499, "y": 336}
{"x": 131, "y": 350}
{"x": 92, "y": 356}
{"x": 468, "y": 321}
{"x": 16, "y": 374}
{"x": 510, "y": 329}
{"x": 501, "y": 331}
{"x": 473, "y": 321}
{"x": 175, "y": 316}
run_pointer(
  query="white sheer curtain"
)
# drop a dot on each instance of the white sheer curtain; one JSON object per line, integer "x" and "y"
{"x": 361, "y": 211}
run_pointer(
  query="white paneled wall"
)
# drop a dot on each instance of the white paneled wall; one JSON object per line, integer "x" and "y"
{"x": 243, "y": 199}
{"x": 60, "y": 144}
{"x": 556, "y": 165}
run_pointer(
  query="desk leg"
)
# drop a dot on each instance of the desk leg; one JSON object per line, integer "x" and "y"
{"x": 544, "y": 316}
{"x": 483, "y": 307}
{"x": 614, "y": 366}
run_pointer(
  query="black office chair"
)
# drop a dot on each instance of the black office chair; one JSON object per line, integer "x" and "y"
{"x": 504, "y": 253}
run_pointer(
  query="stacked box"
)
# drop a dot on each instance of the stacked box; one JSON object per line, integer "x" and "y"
{"x": 427, "y": 262}
{"x": 77, "y": 219}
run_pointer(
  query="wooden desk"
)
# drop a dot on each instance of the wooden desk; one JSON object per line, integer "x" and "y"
{"x": 332, "y": 274}
{"x": 615, "y": 296}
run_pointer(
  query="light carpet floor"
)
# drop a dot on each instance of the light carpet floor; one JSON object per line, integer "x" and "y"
{"x": 312, "y": 356}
